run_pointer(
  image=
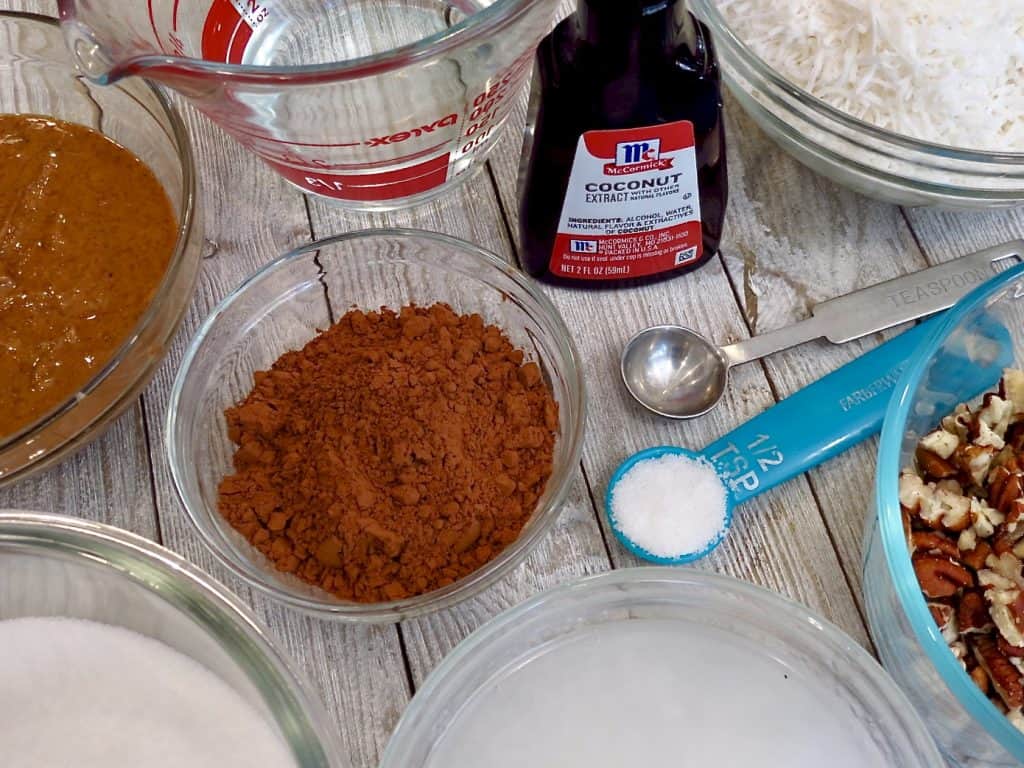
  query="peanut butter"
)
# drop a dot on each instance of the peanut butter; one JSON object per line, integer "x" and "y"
{"x": 86, "y": 233}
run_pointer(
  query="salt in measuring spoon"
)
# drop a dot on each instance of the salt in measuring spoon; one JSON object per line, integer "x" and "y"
{"x": 818, "y": 422}
{"x": 678, "y": 373}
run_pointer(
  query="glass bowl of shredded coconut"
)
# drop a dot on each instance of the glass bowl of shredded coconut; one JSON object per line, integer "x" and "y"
{"x": 918, "y": 102}
{"x": 116, "y": 652}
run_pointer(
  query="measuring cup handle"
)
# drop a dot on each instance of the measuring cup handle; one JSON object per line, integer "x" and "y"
{"x": 816, "y": 423}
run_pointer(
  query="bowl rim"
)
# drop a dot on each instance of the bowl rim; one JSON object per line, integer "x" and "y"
{"x": 187, "y": 226}
{"x": 708, "y": 11}
{"x": 469, "y": 585}
{"x": 210, "y": 604}
{"x": 484, "y": 23}
{"x": 893, "y": 536}
{"x": 802, "y": 620}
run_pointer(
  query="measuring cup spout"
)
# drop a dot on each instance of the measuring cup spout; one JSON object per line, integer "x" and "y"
{"x": 110, "y": 40}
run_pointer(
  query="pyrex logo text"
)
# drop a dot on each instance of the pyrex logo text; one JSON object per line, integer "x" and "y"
{"x": 632, "y": 152}
{"x": 395, "y": 138}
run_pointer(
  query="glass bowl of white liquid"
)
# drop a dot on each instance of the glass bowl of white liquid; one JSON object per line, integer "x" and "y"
{"x": 117, "y": 652}
{"x": 659, "y": 666}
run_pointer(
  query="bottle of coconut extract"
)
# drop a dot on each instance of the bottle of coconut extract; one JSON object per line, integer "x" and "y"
{"x": 626, "y": 180}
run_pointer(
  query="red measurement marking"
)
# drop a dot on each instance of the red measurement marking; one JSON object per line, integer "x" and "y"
{"x": 174, "y": 15}
{"x": 387, "y": 185}
{"x": 222, "y": 21}
{"x": 152, "y": 23}
{"x": 273, "y": 140}
{"x": 239, "y": 39}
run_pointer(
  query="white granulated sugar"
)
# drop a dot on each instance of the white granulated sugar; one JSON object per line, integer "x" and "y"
{"x": 945, "y": 71}
{"x": 88, "y": 695}
{"x": 670, "y": 505}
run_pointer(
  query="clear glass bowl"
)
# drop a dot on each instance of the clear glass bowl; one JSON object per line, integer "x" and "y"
{"x": 59, "y": 566}
{"x": 37, "y": 66}
{"x": 871, "y": 160}
{"x": 282, "y": 307}
{"x": 968, "y": 727}
{"x": 787, "y": 632}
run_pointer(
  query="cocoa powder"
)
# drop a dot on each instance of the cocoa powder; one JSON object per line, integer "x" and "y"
{"x": 392, "y": 455}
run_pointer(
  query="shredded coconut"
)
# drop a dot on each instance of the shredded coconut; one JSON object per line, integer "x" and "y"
{"x": 671, "y": 505}
{"x": 946, "y": 71}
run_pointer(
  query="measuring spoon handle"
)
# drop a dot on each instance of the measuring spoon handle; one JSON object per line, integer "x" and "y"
{"x": 822, "y": 419}
{"x": 884, "y": 305}
{"x": 913, "y": 296}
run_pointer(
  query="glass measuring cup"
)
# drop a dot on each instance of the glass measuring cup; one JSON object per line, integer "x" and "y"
{"x": 375, "y": 104}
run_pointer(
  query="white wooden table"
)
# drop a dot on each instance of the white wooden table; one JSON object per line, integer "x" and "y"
{"x": 792, "y": 239}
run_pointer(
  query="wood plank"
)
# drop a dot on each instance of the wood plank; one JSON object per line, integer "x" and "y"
{"x": 944, "y": 235}
{"x": 251, "y": 217}
{"x": 45, "y": 7}
{"x": 793, "y": 239}
{"x": 574, "y": 547}
{"x": 779, "y": 540}
{"x": 109, "y": 480}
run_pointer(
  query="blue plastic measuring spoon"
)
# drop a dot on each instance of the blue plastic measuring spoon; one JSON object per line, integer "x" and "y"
{"x": 814, "y": 424}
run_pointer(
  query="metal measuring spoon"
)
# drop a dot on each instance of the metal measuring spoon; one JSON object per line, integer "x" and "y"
{"x": 825, "y": 418}
{"x": 678, "y": 373}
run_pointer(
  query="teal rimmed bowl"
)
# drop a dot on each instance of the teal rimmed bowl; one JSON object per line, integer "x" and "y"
{"x": 968, "y": 727}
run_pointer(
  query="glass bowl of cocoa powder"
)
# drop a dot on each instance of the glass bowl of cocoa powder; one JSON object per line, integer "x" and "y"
{"x": 377, "y": 425}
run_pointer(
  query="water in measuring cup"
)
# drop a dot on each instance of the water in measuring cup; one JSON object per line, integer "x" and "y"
{"x": 657, "y": 693}
{"x": 300, "y": 32}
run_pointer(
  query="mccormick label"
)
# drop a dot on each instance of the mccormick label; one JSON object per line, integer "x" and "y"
{"x": 631, "y": 207}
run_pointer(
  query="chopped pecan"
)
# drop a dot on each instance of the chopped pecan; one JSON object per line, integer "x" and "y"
{"x": 1002, "y": 581}
{"x": 1006, "y": 567}
{"x": 1011, "y": 388}
{"x": 936, "y": 505}
{"x": 957, "y": 421}
{"x": 963, "y": 513}
{"x": 940, "y": 443}
{"x": 1005, "y": 487}
{"x": 942, "y": 614}
{"x": 980, "y": 678}
{"x": 1009, "y": 650}
{"x": 972, "y": 612}
{"x": 975, "y": 461}
{"x": 1011, "y": 530}
{"x": 984, "y": 518}
{"x": 1009, "y": 618}
{"x": 907, "y": 526}
{"x": 911, "y": 489}
{"x": 1006, "y": 680}
{"x": 940, "y": 576}
{"x": 975, "y": 558}
{"x": 967, "y": 540}
{"x": 1015, "y": 436}
{"x": 934, "y": 466}
{"x": 946, "y": 509}
{"x": 934, "y": 543}
{"x": 989, "y": 424}
{"x": 950, "y": 486}
{"x": 959, "y": 650}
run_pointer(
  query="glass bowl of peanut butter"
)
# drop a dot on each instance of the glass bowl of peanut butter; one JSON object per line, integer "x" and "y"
{"x": 99, "y": 244}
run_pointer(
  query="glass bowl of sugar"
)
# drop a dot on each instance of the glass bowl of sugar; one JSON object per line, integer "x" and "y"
{"x": 903, "y": 104}
{"x": 659, "y": 666}
{"x": 118, "y": 652}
